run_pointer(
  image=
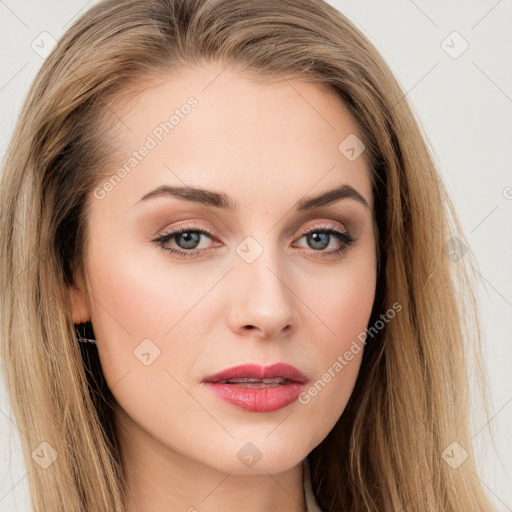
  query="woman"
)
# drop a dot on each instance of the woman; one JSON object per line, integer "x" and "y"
{"x": 226, "y": 271}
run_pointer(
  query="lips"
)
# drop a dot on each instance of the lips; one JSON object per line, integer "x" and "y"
{"x": 258, "y": 388}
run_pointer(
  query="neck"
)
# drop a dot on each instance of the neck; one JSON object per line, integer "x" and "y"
{"x": 159, "y": 478}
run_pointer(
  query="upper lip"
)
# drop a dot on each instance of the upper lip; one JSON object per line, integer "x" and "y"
{"x": 255, "y": 371}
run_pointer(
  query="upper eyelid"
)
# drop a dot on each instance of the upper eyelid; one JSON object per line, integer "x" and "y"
{"x": 210, "y": 231}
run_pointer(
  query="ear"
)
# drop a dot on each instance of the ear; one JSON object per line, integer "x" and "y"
{"x": 79, "y": 305}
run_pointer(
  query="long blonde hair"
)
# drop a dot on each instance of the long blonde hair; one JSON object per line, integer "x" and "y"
{"x": 411, "y": 398}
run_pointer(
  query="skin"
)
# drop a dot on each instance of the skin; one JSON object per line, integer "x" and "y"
{"x": 266, "y": 145}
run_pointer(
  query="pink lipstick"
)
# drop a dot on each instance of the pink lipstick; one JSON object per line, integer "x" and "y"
{"x": 258, "y": 388}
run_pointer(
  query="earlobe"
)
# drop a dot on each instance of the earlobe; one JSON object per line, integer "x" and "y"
{"x": 78, "y": 302}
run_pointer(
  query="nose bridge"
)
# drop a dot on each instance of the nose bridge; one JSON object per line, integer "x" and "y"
{"x": 263, "y": 296}
{"x": 260, "y": 256}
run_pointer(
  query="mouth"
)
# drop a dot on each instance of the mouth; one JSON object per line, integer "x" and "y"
{"x": 258, "y": 388}
{"x": 256, "y": 383}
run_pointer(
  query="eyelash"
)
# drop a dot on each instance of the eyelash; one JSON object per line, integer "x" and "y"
{"x": 344, "y": 236}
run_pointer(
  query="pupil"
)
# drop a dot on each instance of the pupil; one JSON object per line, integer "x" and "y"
{"x": 320, "y": 240}
{"x": 191, "y": 240}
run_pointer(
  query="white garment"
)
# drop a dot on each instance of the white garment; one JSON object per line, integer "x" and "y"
{"x": 311, "y": 504}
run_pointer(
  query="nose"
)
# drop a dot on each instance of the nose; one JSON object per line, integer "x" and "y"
{"x": 263, "y": 302}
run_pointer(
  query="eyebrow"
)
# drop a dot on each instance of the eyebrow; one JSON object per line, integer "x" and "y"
{"x": 221, "y": 200}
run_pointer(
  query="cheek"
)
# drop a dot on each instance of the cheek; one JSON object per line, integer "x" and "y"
{"x": 138, "y": 293}
{"x": 343, "y": 304}
{"x": 141, "y": 309}
{"x": 130, "y": 305}
{"x": 342, "y": 300}
{"x": 144, "y": 304}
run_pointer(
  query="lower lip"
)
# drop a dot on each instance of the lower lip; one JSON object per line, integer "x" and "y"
{"x": 265, "y": 399}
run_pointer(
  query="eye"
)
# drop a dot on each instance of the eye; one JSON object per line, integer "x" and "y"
{"x": 320, "y": 237}
{"x": 188, "y": 239}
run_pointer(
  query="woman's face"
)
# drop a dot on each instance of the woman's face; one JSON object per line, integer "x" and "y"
{"x": 255, "y": 277}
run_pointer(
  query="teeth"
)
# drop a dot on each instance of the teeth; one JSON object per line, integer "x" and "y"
{"x": 250, "y": 380}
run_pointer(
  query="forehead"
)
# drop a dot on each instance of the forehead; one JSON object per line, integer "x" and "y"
{"x": 216, "y": 128}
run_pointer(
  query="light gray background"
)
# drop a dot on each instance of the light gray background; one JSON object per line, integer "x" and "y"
{"x": 464, "y": 105}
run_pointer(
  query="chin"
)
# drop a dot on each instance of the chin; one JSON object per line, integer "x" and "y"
{"x": 258, "y": 457}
